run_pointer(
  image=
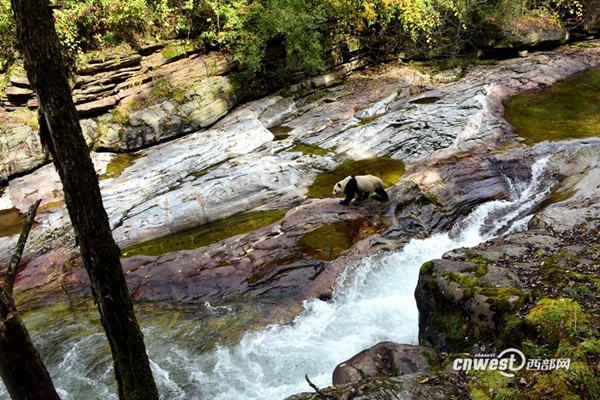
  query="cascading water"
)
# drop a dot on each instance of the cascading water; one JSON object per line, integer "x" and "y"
{"x": 374, "y": 302}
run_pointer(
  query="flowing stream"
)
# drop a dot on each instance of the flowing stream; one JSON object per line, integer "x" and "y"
{"x": 374, "y": 302}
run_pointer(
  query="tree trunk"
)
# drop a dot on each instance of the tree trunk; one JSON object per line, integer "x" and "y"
{"x": 47, "y": 74}
{"x": 13, "y": 267}
{"x": 21, "y": 366}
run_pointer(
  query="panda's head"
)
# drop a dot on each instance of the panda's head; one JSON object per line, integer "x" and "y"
{"x": 338, "y": 188}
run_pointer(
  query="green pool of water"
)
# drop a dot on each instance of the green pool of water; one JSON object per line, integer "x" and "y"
{"x": 426, "y": 100}
{"x": 388, "y": 169}
{"x": 329, "y": 241}
{"x": 568, "y": 110}
{"x": 119, "y": 163}
{"x": 51, "y": 205}
{"x": 205, "y": 234}
{"x": 310, "y": 149}
{"x": 11, "y": 222}
{"x": 281, "y": 132}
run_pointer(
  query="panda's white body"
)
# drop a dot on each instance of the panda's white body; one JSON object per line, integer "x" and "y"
{"x": 366, "y": 183}
{"x": 363, "y": 185}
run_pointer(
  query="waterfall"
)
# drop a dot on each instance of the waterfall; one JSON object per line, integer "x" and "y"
{"x": 374, "y": 302}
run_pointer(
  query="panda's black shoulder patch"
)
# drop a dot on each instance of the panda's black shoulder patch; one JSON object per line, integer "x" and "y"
{"x": 350, "y": 190}
{"x": 351, "y": 187}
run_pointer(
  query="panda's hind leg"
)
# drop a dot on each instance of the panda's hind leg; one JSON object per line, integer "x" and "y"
{"x": 363, "y": 195}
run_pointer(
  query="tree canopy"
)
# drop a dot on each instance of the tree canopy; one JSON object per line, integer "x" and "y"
{"x": 304, "y": 27}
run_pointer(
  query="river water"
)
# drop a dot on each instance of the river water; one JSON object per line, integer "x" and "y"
{"x": 374, "y": 302}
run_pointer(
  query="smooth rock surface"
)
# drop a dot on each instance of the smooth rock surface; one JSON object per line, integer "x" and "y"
{"x": 235, "y": 166}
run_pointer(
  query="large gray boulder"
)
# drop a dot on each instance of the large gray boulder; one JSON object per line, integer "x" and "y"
{"x": 532, "y": 31}
{"x": 20, "y": 149}
{"x": 385, "y": 359}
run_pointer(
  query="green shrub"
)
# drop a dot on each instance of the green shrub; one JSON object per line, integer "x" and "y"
{"x": 88, "y": 24}
{"x": 8, "y": 35}
{"x": 304, "y": 28}
{"x": 246, "y": 28}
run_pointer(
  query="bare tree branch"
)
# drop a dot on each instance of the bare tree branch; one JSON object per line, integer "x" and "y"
{"x": 11, "y": 272}
{"x": 316, "y": 389}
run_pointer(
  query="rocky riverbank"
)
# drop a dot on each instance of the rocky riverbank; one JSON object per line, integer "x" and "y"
{"x": 536, "y": 291}
{"x": 447, "y": 128}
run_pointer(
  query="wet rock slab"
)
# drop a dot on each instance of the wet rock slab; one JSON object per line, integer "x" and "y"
{"x": 237, "y": 166}
{"x": 265, "y": 266}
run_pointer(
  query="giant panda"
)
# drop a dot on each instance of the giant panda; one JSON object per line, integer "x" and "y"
{"x": 362, "y": 185}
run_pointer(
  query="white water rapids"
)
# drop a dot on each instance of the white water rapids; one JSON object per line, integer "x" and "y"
{"x": 374, "y": 302}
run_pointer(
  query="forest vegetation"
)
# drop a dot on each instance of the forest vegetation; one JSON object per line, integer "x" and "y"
{"x": 308, "y": 29}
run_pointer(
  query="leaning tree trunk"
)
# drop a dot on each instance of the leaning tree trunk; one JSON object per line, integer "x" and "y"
{"x": 47, "y": 74}
{"x": 21, "y": 366}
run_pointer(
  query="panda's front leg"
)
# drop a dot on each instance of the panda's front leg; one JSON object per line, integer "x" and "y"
{"x": 347, "y": 200}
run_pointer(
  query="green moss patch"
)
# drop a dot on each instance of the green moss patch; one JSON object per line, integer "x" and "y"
{"x": 178, "y": 50}
{"x": 463, "y": 318}
{"x": 478, "y": 270}
{"x": 476, "y": 258}
{"x": 26, "y": 117}
{"x": 557, "y": 327}
{"x": 561, "y": 268}
{"x": 121, "y": 114}
{"x": 316, "y": 95}
{"x": 205, "y": 234}
{"x": 388, "y": 169}
{"x": 163, "y": 89}
{"x": 492, "y": 385}
{"x": 500, "y": 299}
{"x": 455, "y": 326}
{"x": 427, "y": 268}
{"x": 479, "y": 264}
{"x": 557, "y": 319}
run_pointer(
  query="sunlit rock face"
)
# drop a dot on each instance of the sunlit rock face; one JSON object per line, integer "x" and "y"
{"x": 432, "y": 123}
{"x": 446, "y": 129}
